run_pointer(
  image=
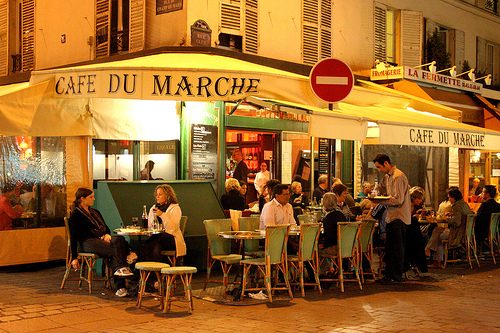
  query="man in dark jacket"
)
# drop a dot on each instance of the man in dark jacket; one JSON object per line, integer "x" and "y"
{"x": 488, "y": 206}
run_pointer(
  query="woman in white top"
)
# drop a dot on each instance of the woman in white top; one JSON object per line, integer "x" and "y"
{"x": 261, "y": 178}
{"x": 167, "y": 213}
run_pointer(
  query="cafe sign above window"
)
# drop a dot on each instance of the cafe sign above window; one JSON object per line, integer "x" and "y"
{"x": 405, "y": 72}
{"x": 158, "y": 85}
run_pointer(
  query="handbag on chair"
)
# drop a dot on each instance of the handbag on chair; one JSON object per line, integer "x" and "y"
{"x": 378, "y": 211}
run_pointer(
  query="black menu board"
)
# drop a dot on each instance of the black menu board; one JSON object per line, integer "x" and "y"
{"x": 203, "y": 151}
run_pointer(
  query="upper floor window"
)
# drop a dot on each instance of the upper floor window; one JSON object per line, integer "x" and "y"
{"x": 239, "y": 21}
{"x": 316, "y": 30}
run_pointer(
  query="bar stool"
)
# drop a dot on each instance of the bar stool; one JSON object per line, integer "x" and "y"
{"x": 145, "y": 269}
{"x": 186, "y": 274}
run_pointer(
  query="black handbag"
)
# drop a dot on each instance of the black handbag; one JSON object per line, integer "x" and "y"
{"x": 378, "y": 211}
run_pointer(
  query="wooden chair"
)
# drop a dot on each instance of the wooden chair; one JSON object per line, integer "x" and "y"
{"x": 308, "y": 253}
{"x": 171, "y": 254}
{"x": 274, "y": 260}
{"x": 470, "y": 242}
{"x": 366, "y": 247}
{"x": 87, "y": 263}
{"x": 145, "y": 269}
{"x": 347, "y": 248}
{"x": 494, "y": 236}
{"x": 250, "y": 223}
{"x": 185, "y": 273}
{"x": 219, "y": 249}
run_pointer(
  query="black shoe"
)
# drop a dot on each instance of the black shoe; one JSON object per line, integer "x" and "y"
{"x": 388, "y": 281}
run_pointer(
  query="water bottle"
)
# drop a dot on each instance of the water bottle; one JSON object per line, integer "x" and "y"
{"x": 144, "y": 217}
{"x": 375, "y": 189}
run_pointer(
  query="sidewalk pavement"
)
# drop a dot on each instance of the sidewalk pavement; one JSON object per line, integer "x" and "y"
{"x": 457, "y": 299}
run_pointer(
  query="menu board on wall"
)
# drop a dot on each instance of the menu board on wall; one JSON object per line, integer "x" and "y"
{"x": 324, "y": 154}
{"x": 203, "y": 151}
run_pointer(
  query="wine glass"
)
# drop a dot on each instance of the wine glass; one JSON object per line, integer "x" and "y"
{"x": 135, "y": 222}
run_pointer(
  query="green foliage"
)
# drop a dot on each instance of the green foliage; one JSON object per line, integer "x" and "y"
{"x": 436, "y": 51}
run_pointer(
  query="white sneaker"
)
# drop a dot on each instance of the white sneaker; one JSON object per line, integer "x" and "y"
{"x": 122, "y": 292}
{"x": 124, "y": 272}
{"x": 260, "y": 295}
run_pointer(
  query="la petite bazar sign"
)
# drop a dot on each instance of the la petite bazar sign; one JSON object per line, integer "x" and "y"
{"x": 153, "y": 85}
{"x": 404, "y": 72}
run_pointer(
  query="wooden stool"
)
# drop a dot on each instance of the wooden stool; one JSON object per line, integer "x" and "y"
{"x": 145, "y": 269}
{"x": 87, "y": 263}
{"x": 186, "y": 274}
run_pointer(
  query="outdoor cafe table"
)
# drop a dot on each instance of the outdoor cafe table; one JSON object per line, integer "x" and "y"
{"x": 241, "y": 236}
{"x": 137, "y": 235}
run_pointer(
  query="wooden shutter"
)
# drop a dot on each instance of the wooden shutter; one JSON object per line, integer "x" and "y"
{"x": 458, "y": 53}
{"x": 411, "y": 37}
{"x": 326, "y": 29}
{"x": 251, "y": 41}
{"x": 28, "y": 35}
{"x": 231, "y": 17}
{"x": 4, "y": 38}
{"x": 137, "y": 25}
{"x": 310, "y": 31}
{"x": 480, "y": 55}
{"x": 380, "y": 25}
{"x": 102, "y": 28}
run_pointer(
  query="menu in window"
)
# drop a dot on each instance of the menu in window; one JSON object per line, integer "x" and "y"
{"x": 203, "y": 151}
{"x": 324, "y": 152}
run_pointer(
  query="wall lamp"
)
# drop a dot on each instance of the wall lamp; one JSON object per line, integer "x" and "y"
{"x": 470, "y": 74}
{"x": 487, "y": 79}
{"x": 452, "y": 69}
{"x": 432, "y": 66}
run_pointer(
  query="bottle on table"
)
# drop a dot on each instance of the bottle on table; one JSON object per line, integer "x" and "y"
{"x": 144, "y": 217}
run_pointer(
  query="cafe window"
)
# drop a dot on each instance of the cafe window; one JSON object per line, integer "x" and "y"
{"x": 115, "y": 159}
{"x": 32, "y": 177}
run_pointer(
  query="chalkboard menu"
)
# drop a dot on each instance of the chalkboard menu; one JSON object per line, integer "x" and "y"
{"x": 324, "y": 156}
{"x": 203, "y": 151}
{"x": 167, "y": 6}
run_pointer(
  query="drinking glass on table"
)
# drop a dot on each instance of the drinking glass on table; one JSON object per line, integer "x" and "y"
{"x": 135, "y": 222}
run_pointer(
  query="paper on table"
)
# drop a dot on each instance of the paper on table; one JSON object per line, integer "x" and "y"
{"x": 235, "y": 216}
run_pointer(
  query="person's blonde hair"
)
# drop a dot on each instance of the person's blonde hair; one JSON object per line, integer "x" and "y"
{"x": 294, "y": 185}
{"x": 232, "y": 184}
{"x": 330, "y": 201}
{"x": 169, "y": 191}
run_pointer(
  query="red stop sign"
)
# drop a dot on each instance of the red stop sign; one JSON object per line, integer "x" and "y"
{"x": 331, "y": 80}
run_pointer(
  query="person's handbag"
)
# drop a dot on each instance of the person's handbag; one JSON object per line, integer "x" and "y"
{"x": 378, "y": 211}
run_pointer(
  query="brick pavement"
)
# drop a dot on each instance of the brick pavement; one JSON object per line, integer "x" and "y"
{"x": 453, "y": 300}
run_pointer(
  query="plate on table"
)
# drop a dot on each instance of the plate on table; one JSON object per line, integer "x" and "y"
{"x": 379, "y": 198}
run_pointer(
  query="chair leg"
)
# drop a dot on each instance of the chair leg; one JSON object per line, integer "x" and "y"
{"x": 492, "y": 250}
{"x": 246, "y": 268}
{"x": 168, "y": 293}
{"x": 210, "y": 263}
{"x": 287, "y": 282}
{"x": 186, "y": 281}
{"x": 341, "y": 275}
{"x": 301, "y": 277}
{"x": 66, "y": 275}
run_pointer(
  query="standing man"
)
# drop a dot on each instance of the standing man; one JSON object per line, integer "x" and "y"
{"x": 277, "y": 211}
{"x": 241, "y": 170}
{"x": 488, "y": 206}
{"x": 395, "y": 185}
{"x": 261, "y": 178}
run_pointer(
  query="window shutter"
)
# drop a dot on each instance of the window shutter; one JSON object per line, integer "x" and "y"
{"x": 28, "y": 35}
{"x": 326, "y": 28}
{"x": 481, "y": 54}
{"x": 137, "y": 21}
{"x": 411, "y": 31}
{"x": 310, "y": 32}
{"x": 231, "y": 17}
{"x": 251, "y": 26}
{"x": 458, "y": 56}
{"x": 4, "y": 40}
{"x": 380, "y": 25}
{"x": 102, "y": 28}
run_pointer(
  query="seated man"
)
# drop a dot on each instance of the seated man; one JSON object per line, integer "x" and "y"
{"x": 277, "y": 211}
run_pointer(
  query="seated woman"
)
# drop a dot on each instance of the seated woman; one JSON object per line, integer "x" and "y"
{"x": 298, "y": 200}
{"x": 341, "y": 191}
{"x": 88, "y": 229}
{"x": 328, "y": 239}
{"x": 266, "y": 194}
{"x": 456, "y": 225}
{"x": 7, "y": 212}
{"x": 167, "y": 213}
{"x": 415, "y": 242}
{"x": 232, "y": 199}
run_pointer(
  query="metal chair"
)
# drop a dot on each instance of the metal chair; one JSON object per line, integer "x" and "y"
{"x": 308, "y": 253}
{"x": 347, "y": 248}
{"x": 171, "y": 254}
{"x": 87, "y": 263}
{"x": 219, "y": 249}
{"x": 275, "y": 258}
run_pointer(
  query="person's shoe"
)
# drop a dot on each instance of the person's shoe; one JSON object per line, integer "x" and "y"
{"x": 123, "y": 272}
{"x": 388, "y": 281}
{"x": 122, "y": 292}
